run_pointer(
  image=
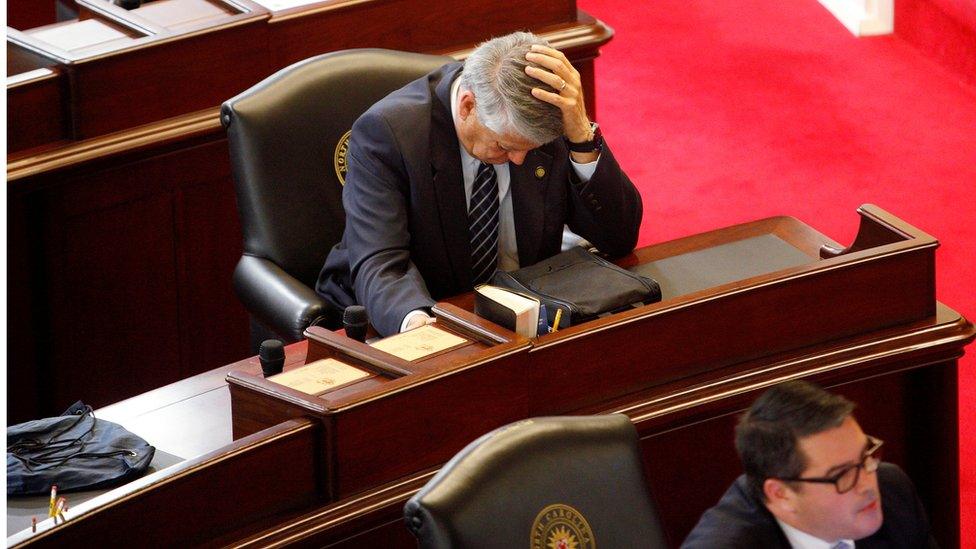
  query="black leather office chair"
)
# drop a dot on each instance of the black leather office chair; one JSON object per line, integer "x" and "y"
{"x": 287, "y": 137}
{"x": 534, "y": 483}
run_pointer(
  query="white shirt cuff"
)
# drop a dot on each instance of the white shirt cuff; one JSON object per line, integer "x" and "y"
{"x": 584, "y": 171}
{"x": 410, "y": 315}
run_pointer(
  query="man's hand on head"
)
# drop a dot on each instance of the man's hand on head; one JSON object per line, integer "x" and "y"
{"x": 565, "y": 79}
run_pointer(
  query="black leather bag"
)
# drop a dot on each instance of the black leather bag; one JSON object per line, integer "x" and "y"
{"x": 75, "y": 451}
{"x": 582, "y": 284}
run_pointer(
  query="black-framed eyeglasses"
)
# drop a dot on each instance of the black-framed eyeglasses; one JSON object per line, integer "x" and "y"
{"x": 846, "y": 479}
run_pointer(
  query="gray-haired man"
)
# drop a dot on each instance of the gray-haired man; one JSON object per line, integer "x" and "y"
{"x": 471, "y": 168}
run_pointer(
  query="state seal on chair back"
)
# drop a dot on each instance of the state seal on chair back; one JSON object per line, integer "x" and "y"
{"x": 573, "y": 481}
{"x": 287, "y": 142}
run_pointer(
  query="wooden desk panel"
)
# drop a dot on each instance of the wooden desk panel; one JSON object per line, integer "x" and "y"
{"x": 438, "y": 408}
{"x": 897, "y": 376}
{"x": 740, "y": 320}
{"x": 26, "y": 100}
{"x": 154, "y": 83}
{"x": 113, "y": 261}
{"x": 27, "y": 14}
{"x": 423, "y": 25}
{"x": 37, "y": 104}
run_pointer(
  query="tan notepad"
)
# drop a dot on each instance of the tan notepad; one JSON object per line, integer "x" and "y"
{"x": 419, "y": 343}
{"x": 320, "y": 376}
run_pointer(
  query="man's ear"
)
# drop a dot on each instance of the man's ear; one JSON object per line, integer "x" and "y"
{"x": 779, "y": 497}
{"x": 466, "y": 104}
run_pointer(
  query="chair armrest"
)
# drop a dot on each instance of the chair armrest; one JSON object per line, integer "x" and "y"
{"x": 277, "y": 299}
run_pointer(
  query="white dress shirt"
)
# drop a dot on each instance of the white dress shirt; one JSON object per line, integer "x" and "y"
{"x": 801, "y": 540}
{"x": 507, "y": 245}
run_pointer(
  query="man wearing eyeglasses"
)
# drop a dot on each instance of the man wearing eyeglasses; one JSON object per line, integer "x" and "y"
{"x": 813, "y": 480}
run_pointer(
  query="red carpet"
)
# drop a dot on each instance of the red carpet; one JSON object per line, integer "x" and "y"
{"x": 944, "y": 29}
{"x": 729, "y": 111}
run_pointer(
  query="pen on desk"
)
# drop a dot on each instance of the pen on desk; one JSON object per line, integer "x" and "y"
{"x": 59, "y": 510}
{"x": 555, "y": 321}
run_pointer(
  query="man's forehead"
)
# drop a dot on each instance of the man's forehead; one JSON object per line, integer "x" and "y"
{"x": 834, "y": 447}
{"x": 514, "y": 141}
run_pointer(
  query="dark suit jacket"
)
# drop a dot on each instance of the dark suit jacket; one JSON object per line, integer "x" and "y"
{"x": 406, "y": 240}
{"x": 740, "y": 520}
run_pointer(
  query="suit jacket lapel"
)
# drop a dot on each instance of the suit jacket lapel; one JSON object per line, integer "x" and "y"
{"x": 530, "y": 183}
{"x": 448, "y": 181}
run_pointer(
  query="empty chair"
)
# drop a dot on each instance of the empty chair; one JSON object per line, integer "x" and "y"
{"x": 573, "y": 481}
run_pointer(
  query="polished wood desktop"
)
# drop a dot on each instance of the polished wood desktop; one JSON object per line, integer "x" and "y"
{"x": 744, "y": 308}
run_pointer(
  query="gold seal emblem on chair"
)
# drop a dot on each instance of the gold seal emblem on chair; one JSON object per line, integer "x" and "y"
{"x": 560, "y": 526}
{"x": 339, "y": 158}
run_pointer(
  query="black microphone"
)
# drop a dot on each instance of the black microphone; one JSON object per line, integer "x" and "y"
{"x": 272, "y": 357}
{"x": 354, "y": 320}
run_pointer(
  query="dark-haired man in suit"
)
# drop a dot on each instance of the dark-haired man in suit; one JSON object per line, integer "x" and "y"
{"x": 813, "y": 480}
{"x": 475, "y": 167}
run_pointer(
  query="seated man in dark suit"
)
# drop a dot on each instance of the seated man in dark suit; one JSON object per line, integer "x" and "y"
{"x": 812, "y": 479}
{"x": 475, "y": 167}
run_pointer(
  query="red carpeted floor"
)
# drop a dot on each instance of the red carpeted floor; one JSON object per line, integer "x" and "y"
{"x": 732, "y": 110}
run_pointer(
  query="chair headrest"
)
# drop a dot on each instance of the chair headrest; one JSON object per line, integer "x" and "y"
{"x": 581, "y": 474}
{"x": 286, "y": 145}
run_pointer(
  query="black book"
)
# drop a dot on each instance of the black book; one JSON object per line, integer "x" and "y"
{"x": 513, "y": 310}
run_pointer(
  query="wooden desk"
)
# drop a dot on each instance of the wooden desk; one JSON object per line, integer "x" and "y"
{"x": 124, "y": 68}
{"x": 861, "y": 321}
{"x": 199, "y": 406}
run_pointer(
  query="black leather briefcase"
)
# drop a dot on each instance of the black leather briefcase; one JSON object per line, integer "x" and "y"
{"x": 582, "y": 284}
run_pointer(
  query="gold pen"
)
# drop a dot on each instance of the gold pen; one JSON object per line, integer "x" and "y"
{"x": 555, "y": 321}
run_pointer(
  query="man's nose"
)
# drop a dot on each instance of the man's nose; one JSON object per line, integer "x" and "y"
{"x": 517, "y": 157}
{"x": 866, "y": 480}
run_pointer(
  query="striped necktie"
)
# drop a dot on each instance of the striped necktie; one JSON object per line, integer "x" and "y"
{"x": 483, "y": 224}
